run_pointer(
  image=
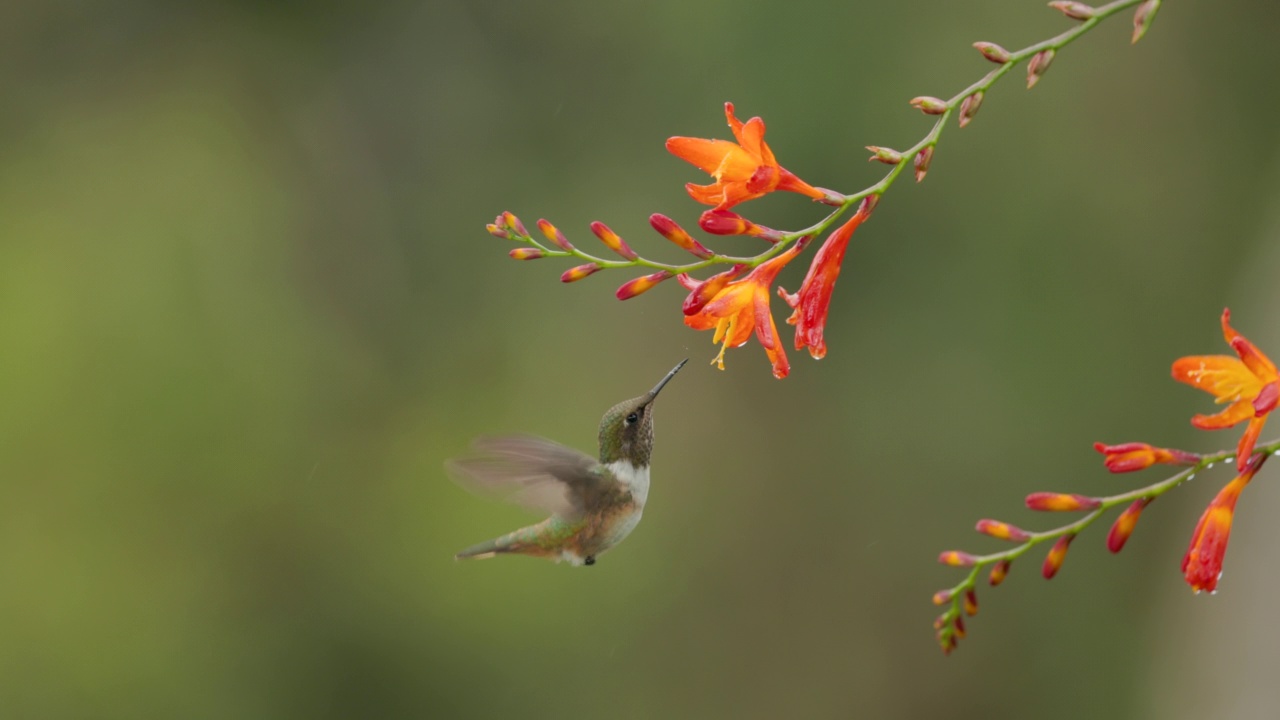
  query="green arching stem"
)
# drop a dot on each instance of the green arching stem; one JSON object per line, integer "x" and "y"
{"x": 1149, "y": 492}
{"x": 879, "y": 188}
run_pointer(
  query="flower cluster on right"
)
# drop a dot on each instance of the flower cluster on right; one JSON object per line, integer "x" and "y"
{"x": 1248, "y": 384}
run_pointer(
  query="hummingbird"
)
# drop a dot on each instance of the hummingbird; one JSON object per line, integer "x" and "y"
{"x": 594, "y": 504}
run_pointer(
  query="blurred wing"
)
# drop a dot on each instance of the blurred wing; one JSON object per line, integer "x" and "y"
{"x": 532, "y": 472}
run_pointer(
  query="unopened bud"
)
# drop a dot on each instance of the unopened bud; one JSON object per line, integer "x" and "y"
{"x": 1061, "y": 502}
{"x": 1003, "y": 531}
{"x": 942, "y": 597}
{"x": 727, "y": 222}
{"x": 611, "y": 239}
{"x": 556, "y": 237}
{"x": 526, "y": 253}
{"x": 513, "y": 223}
{"x": 1128, "y": 457}
{"x": 956, "y": 558}
{"x": 575, "y": 274}
{"x": 1142, "y": 18}
{"x": 1073, "y": 10}
{"x": 993, "y": 52}
{"x": 958, "y": 624}
{"x": 1039, "y": 64}
{"x": 969, "y": 107}
{"x": 923, "y": 158}
{"x": 868, "y": 204}
{"x": 498, "y": 232}
{"x": 1123, "y": 527}
{"x": 940, "y": 621}
{"x": 888, "y": 156}
{"x": 642, "y": 284}
{"x": 999, "y": 572}
{"x": 929, "y": 105}
{"x": 668, "y": 229}
{"x": 831, "y": 197}
{"x": 971, "y": 602}
{"x": 1057, "y": 553}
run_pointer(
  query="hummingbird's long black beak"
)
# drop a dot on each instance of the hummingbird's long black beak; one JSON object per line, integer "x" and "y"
{"x": 661, "y": 383}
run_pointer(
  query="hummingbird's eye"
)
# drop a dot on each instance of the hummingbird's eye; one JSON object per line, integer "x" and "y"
{"x": 632, "y": 418}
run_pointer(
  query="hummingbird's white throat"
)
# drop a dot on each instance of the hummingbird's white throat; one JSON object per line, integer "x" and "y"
{"x": 635, "y": 479}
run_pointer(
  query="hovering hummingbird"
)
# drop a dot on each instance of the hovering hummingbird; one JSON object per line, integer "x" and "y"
{"x": 594, "y": 504}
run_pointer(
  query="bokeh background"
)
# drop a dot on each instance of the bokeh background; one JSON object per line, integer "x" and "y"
{"x": 248, "y": 308}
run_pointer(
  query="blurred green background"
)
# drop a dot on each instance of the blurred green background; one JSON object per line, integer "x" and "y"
{"x": 248, "y": 308}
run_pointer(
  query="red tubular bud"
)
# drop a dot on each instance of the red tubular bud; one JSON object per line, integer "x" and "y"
{"x": 513, "y": 223}
{"x": 1061, "y": 502}
{"x": 993, "y": 52}
{"x": 999, "y": 572}
{"x": 958, "y": 624}
{"x": 642, "y": 284}
{"x": 942, "y": 597}
{"x": 929, "y": 105}
{"x": 1128, "y": 457}
{"x": 971, "y": 602}
{"x": 1039, "y": 64}
{"x": 1003, "y": 531}
{"x": 526, "y": 253}
{"x": 969, "y": 107}
{"x": 1123, "y": 527}
{"x": 556, "y": 237}
{"x": 1073, "y": 10}
{"x": 1142, "y": 18}
{"x": 498, "y": 232}
{"x": 1058, "y": 553}
{"x": 888, "y": 156}
{"x": 668, "y": 229}
{"x": 956, "y": 558}
{"x": 923, "y": 158}
{"x": 940, "y": 621}
{"x": 575, "y": 274}
{"x": 726, "y": 222}
{"x": 611, "y": 239}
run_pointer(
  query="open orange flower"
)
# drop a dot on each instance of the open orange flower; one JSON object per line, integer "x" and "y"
{"x": 1250, "y": 384}
{"x": 1202, "y": 565}
{"x": 744, "y": 170}
{"x": 813, "y": 300}
{"x": 742, "y": 306}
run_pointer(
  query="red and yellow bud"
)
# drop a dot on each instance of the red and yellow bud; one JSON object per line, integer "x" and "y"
{"x": 888, "y": 156}
{"x": 1003, "y": 531}
{"x": 942, "y": 597}
{"x": 941, "y": 621}
{"x": 642, "y": 284}
{"x": 1061, "y": 502}
{"x": 993, "y": 52}
{"x": 1129, "y": 457}
{"x": 1142, "y": 18}
{"x": 1073, "y": 10}
{"x": 957, "y": 558}
{"x": 575, "y": 274}
{"x": 701, "y": 293}
{"x": 923, "y": 158}
{"x": 511, "y": 222}
{"x": 526, "y": 253}
{"x": 726, "y": 222}
{"x": 1057, "y": 554}
{"x": 1123, "y": 526}
{"x": 1202, "y": 565}
{"x": 556, "y": 237}
{"x": 668, "y": 229}
{"x": 971, "y": 602}
{"x": 958, "y": 624}
{"x": 929, "y": 105}
{"x": 1038, "y": 66}
{"x": 969, "y": 107}
{"x": 612, "y": 240}
{"x": 999, "y": 572}
{"x": 498, "y": 232}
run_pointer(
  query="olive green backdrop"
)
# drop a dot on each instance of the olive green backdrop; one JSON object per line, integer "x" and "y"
{"x": 248, "y": 308}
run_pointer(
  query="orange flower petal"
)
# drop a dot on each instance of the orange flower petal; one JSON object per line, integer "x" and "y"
{"x": 706, "y": 155}
{"x": 1237, "y": 412}
{"x": 1250, "y": 438}
{"x": 706, "y": 194}
{"x": 1226, "y": 377}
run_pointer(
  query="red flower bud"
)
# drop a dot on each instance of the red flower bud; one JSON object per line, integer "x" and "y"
{"x": 511, "y": 222}
{"x": 556, "y": 237}
{"x": 971, "y": 602}
{"x": 1073, "y": 10}
{"x": 969, "y": 107}
{"x": 668, "y": 229}
{"x": 929, "y": 105}
{"x": 725, "y": 222}
{"x": 942, "y": 597}
{"x": 611, "y": 239}
{"x": 888, "y": 156}
{"x": 923, "y": 158}
{"x": 1039, "y": 64}
{"x": 642, "y": 284}
{"x": 1058, "y": 553}
{"x": 1123, "y": 527}
{"x": 497, "y": 232}
{"x": 574, "y": 274}
{"x": 993, "y": 52}
{"x": 1003, "y": 531}
{"x": 1142, "y": 18}
{"x": 1061, "y": 502}
{"x": 956, "y": 558}
{"x": 958, "y": 624}
{"x": 1129, "y": 457}
{"x": 999, "y": 572}
{"x": 526, "y": 253}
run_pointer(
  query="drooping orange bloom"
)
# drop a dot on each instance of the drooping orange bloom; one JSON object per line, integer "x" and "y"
{"x": 1202, "y": 565}
{"x": 813, "y": 300}
{"x": 1250, "y": 384}
{"x": 742, "y": 306}
{"x": 743, "y": 171}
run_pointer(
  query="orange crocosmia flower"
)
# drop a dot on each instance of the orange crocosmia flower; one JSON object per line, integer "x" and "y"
{"x": 742, "y": 306}
{"x": 1202, "y": 565}
{"x": 813, "y": 300}
{"x": 744, "y": 170}
{"x": 1250, "y": 384}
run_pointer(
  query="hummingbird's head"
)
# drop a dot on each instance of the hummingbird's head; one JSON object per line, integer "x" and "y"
{"x": 626, "y": 430}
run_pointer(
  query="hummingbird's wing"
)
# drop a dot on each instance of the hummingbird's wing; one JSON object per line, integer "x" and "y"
{"x": 534, "y": 472}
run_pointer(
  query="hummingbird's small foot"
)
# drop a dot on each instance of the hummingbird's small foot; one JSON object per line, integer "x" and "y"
{"x": 590, "y": 560}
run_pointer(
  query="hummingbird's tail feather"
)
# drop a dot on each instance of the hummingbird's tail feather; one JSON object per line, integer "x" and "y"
{"x": 485, "y": 550}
